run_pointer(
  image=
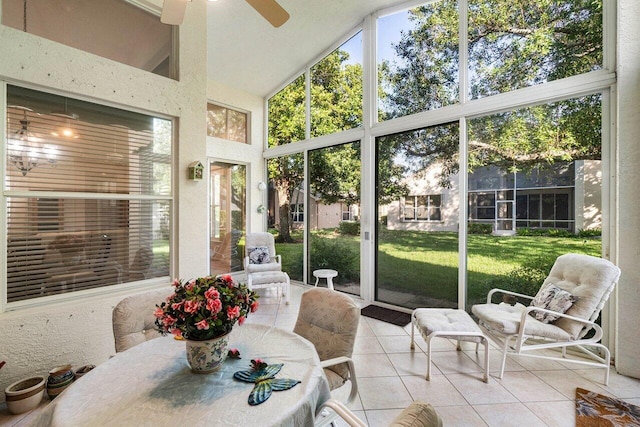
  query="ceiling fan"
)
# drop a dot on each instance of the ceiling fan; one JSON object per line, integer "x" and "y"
{"x": 173, "y": 11}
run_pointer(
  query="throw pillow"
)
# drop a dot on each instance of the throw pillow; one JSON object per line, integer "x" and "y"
{"x": 259, "y": 255}
{"x": 552, "y": 298}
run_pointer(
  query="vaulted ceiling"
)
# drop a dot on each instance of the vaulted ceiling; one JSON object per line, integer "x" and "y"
{"x": 246, "y": 52}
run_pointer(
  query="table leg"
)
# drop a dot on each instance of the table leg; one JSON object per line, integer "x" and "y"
{"x": 330, "y": 283}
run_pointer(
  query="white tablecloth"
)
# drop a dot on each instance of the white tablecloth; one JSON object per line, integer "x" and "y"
{"x": 152, "y": 385}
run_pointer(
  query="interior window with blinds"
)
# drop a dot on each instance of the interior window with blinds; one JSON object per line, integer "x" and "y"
{"x": 88, "y": 195}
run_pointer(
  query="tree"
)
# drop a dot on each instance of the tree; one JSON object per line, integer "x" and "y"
{"x": 336, "y": 105}
{"x": 512, "y": 44}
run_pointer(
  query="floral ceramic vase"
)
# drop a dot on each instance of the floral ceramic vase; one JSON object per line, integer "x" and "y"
{"x": 207, "y": 356}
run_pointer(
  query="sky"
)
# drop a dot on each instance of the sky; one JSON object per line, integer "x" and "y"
{"x": 389, "y": 28}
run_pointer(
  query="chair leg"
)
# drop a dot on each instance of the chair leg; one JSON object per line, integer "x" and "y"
{"x": 485, "y": 341}
{"x": 287, "y": 288}
{"x": 413, "y": 326}
{"x": 428, "y": 377}
{"x": 504, "y": 356}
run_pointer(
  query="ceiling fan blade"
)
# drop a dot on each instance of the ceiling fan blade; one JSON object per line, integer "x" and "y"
{"x": 173, "y": 11}
{"x": 270, "y": 10}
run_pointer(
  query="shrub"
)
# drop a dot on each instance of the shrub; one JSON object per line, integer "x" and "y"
{"x": 560, "y": 232}
{"x": 592, "y": 232}
{"x": 475, "y": 228}
{"x": 384, "y": 220}
{"x": 349, "y": 228}
{"x": 337, "y": 255}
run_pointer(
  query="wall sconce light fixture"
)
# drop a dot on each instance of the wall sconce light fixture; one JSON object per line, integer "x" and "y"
{"x": 261, "y": 209}
{"x": 262, "y": 186}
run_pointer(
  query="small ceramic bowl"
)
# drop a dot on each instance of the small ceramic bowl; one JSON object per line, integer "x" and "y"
{"x": 83, "y": 370}
{"x": 60, "y": 384}
{"x": 25, "y": 395}
{"x": 60, "y": 374}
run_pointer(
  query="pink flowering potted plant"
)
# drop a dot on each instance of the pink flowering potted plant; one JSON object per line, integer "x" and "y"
{"x": 203, "y": 311}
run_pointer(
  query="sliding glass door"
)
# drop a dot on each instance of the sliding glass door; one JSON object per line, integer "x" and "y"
{"x": 227, "y": 216}
{"x": 418, "y": 201}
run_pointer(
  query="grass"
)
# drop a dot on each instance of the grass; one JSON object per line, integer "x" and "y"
{"x": 426, "y": 264}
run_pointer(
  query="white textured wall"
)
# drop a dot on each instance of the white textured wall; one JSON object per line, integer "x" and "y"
{"x": 34, "y": 340}
{"x": 628, "y": 339}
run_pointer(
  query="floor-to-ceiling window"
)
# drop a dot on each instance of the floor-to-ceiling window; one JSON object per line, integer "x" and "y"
{"x": 485, "y": 131}
{"x": 334, "y": 193}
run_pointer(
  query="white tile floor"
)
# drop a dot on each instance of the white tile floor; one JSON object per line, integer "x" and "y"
{"x": 390, "y": 375}
{"x": 533, "y": 392}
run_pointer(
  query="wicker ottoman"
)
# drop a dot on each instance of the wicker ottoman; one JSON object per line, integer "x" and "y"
{"x": 448, "y": 323}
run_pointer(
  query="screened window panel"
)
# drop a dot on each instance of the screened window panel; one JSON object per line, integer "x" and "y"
{"x": 88, "y": 193}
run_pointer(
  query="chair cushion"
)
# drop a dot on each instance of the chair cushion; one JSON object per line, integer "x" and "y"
{"x": 329, "y": 320}
{"x": 268, "y": 277}
{"x": 334, "y": 379}
{"x": 589, "y": 279}
{"x": 553, "y": 298}
{"x": 259, "y": 255}
{"x": 258, "y": 268}
{"x": 133, "y": 319}
{"x": 505, "y": 319}
{"x": 418, "y": 414}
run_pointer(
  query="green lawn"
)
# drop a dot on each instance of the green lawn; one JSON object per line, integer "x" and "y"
{"x": 426, "y": 264}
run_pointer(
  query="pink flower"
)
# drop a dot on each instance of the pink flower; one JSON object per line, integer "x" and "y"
{"x": 190, "y": 285}
{"x": 158, "y": 313}
{"x": 212, "y": 293}
{"x": 203, "y": 324}
{"x": 177, "y": 332}
{"x": 214, "y": 305}
{"x": 241, "y": 320}
{"x": 177, "y": 305}
{"x": 191, "y": 306}
{"x": 176, "y": 283}
{"x": 229, "y": 280}
{"x": 254, "y": 306}
{"x": 233, "y": 312}
{"x": 168, "y": 320}
{"x": 170, "y": 297}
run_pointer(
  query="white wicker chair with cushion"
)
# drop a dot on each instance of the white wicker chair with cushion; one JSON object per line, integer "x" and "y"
{"x": 133, "y": 320}
{"x": 262, "y": 266}
{"x": 564, "y": 311}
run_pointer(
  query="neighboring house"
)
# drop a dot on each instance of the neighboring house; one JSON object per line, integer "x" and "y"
{"x": 321, "y": 215}
{"x": 561, "y": 195}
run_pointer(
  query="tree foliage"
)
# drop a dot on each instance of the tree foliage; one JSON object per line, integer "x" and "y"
{"x": 512, "y": 44}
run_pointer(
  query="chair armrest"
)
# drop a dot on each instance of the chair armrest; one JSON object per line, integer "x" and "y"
{"x": 352, "y": 373}
{"x": 504, "y": 291}
{"x": 525, "y": 316}
{"x": 279, "y": 260}
{"x": 343, "y": 412}
{"x": 245, "y": 263}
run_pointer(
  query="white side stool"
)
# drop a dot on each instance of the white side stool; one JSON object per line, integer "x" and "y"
{"x": 325, "y": 274}
{"x": 448, "y": 323}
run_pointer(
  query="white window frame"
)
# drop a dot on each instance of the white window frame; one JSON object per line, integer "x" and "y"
{"x": 98, "y": 291}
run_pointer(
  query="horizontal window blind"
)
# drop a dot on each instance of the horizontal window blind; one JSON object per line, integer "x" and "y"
{"x": 88, "y": 204}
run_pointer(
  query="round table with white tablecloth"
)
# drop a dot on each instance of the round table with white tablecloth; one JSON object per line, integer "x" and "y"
{"x": 152, "y": 385}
